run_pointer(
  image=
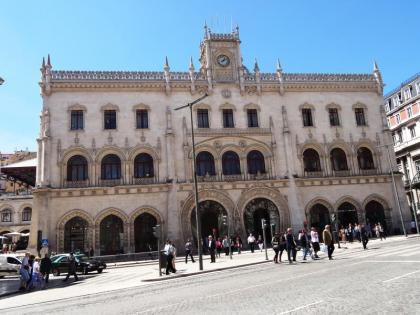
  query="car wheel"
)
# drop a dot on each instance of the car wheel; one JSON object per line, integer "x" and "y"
{"x": 56, "y": 272}
{"x": 100, "y": 270}
{"x": 85, "y": 270}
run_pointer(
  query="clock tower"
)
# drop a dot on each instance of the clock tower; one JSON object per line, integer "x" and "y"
{"x": 221, "y": 56}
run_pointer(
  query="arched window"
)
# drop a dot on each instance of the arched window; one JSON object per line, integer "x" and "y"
{"x": 26, "y": 214}
{"x": 111, "y": 167}
{"x": 6, "y": 215}
{"x": 311, "y": 161}
{"x": 205, "y": 164}
{"x": 256, "y": 163}
{"x": 339, "y": 160}
{"x": 77, "y": 168}
{"x": 143, "y": 166}
{"x": 365, "y": 159}
{"x": 231, "y": 164}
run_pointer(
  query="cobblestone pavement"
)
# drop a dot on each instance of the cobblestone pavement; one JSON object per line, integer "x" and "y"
{"x": 383, "y": 279}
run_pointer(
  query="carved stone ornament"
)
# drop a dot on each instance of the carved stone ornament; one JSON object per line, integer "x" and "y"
{"x": 76, "y": 138}
{"x": 226, "y": 93}
{"x": 242, "y": 143}
{"x": 310, "y": 135}
{"x": 110, "y": 139}
{"x": 337, "y": 134}
{"x": 217, "y": 144}
{"x": 142, "y": 137}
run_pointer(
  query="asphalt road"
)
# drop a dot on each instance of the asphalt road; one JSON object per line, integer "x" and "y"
{"x": 384, "y": 279}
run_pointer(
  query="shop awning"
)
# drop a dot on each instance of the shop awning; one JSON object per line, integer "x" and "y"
{"x": 24, "y": 172}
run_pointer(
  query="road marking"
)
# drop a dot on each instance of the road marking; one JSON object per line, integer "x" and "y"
{"x": 399, "y": 251}
{"x": 299, "y": 308}
{"x": 402, "y": 276}
{"x": 393, "y": 261}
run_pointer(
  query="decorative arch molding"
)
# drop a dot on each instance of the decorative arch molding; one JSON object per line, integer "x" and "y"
{"x": 201, "y": 106}
{"x": 25, "y": 228}
{"x": 227, "y": 106}
{"x": 379, "y": 199}
{"x": 263, "y": 148}
{"x": 205, "y": 147}
{"x": 77, "y": 106}
{"x": 332, "y": 105}
{"x": 143, "y": 149}
{"x": 306, "y": 105}
{"x": 110, "y": 106}
{"x": 320, "y": 201}
{"x": 232, "y": 147}
{"x": 367, "y": 143}
{"x": 340, "y": 144}
{"x": 146, "y": 209}
{"x": 359, "y": 105}
{"x": 311, "y": 145}
{"x": 252, "y": 106}
{"x": 207, "y": 194}
{"x": 76, "y": 150}
{"x": 5, "y": 229}
{"x": 25, "y": 205}
{"x": 141, "y": 106}
{"x": 348, "y": 199}
{"x": 110, "y": 211}
{"x": 110, "y": 149}
{"x": 7, "y": 206}
{"x": 66, "y": 218}
{"x": 262, "y": 191}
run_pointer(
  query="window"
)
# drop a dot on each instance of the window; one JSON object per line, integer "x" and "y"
{"x": 26, "y": 214}
{"x": 387, "y": 106}
{"x": 230, "y": 163}
{"x": 407, "y": 93}
{"x": 6, "y": 215}
{"x": 110, "y": 119}
{"x": 142, "y": 119}
{"x": 334, "y": 120}
{"x": 409, "y": 112}
{"x": 365, "y": 159}
{"x": 77, "y": 168}
{"x": 396, "y": 101}
{"x": 111, "y": 167}
{"x": 311, "y": 161}
{"x": 205, "y": 164}
{"x": 417, "y": 166}
{"x": 143, "y": 166}
{"x": 338, "y": 160}
{"x": 307, "y": 117}
{"x": 13, "y": 261}
{"x": 398, "y": 118}
{"x": 412, "y": 130}
{"x": 252, "y": 118}
{"x": 203, "y": 118}
{"x": 418, "y": 87}
{"x": 76, "y": 120}
{"x": 256, "y": 163}
{"x": 399, "y": 136}
{"x": 228, "y": 118}
{"x": 360, "y": 117}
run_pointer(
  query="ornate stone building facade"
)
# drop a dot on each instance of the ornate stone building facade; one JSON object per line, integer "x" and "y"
{"x": 115, "y": 158}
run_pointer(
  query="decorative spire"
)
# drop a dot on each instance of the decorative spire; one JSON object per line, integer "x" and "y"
{"x": 206, "y": 30}
{"x": 191, "y": 64}
{"x": 256, "y": 67}
{"x": 43, "y": 63}
{"x": 378, "y": 78}
{"x": 375, "y": 66}
{"x": 280, "y": 76}
{"x": 49, "y": 61}
{"x": 166, "y": 67}
{"x": 279, "y": 68}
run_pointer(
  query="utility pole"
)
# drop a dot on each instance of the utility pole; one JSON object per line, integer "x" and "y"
{"x": 413, "y": 202}
{"x": 197, "y": 214}
{"x": 264, "y": 225}
{"x": 157, "y": 234}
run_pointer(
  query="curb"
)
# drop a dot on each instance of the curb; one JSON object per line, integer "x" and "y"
{"x": 163, "y": 278}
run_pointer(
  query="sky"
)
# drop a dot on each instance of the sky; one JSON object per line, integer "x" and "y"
{"x": 307, "y": 36}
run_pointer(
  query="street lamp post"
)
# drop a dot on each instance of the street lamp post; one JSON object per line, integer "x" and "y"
{"x": 264, "y": 225}
{"x": 413, "y": 202}
{"x": 197, "y": 215}
{"x": 226, "y": 222}
{"x": 396, "y": 197}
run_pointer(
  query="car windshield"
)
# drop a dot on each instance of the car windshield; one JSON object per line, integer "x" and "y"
{"x": 56, "y": 257}
{"x": 82, "y": 258}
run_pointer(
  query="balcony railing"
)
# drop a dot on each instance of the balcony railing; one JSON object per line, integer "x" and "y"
{"x": 343, "y": 173}
{"x": 76, "y": 183}
{"x": 232, "y": 178}
{"x": 208, "y": 178}
{"x": 144, "y": 180}
{"x": 372, "y": 171}
{"x": 110, "y": 182}
{"x": 314, "y": 174}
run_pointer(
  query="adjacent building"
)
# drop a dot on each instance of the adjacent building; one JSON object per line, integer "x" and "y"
{"x": 115, "y": 158}
{"x": 402, "y": 106}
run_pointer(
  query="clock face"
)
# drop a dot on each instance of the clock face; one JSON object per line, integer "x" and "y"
{"x": 223, "y": 60}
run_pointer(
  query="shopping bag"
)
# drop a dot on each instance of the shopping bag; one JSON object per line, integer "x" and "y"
{"x": 324, "y": 248}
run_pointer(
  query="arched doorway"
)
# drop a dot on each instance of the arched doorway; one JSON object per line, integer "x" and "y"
{"x": 347, "y": 213}
{"x": 22, "y": 243}
{"x": 144, "y": 240}
{"x": 375, "y": 213}
{"x": 112, "y": 235}
{"x": 75, "y": 235}
{"x": 211, "y": 217}
{"x": 319, "y": 217}
{"x": 258, "y": 209}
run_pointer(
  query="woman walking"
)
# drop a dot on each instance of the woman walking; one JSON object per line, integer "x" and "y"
{"x": 315, "y": 242}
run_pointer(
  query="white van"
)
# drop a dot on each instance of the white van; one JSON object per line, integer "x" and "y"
{"x": 9, "y": 265}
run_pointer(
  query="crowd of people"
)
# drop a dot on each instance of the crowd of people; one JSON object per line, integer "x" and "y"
{"x": 34, "y": 272}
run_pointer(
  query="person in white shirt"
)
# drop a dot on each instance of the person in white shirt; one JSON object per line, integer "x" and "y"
{"x": 251, "y": 242}
{"x": 315, "y": 242}
{"x": 169, "y": 251}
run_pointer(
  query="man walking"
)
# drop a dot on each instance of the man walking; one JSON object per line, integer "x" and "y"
{"x": 251, "y": 242}
{"x": 212, "y": 249}
{"x": 290, "y": 245}
{"x": 226, "y": 245}
{"x": 275, "y": 242}
{"x": 188, "y": 251}
{"x": 46, "y": 267}
{"x": 328, "y": 240}
{"x": 304, "y": 243}
{"x": 364, "y": 235}
{"x": 72, "y": 268}
{"x": 168, "y": 251}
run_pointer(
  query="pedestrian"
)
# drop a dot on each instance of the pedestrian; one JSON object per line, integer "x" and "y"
{"x": 364, "y": 235}
{"x": 377, "y": 231}
{"x": 328, "y": 241}
{"x": 350, "y": 233}
{"x": 315, "y": 242}
{"x": 188, "y": 251}
{"x": 36, "y": 274}
{"x": 251, "y": 242}
{"x": 46, "y": 267}
{"x": 24, "y": 272}
{"x": 168, "y": 251}
{"x": 226, "y": 245}
{"x": 31, "y": 271}
{"x": 218, "y": 247}
{"x": 282, "y": 244}
{"x": 260, "y": 243}
{"x": 212, "y": 249}
{"x": 290, "y": 245}
{"x": 72, "y": 268}
{"x": 91, "y": 252}
{"x": 381, "y": 232}
{"x": 304, "y": 243}
{"x": 275, "y": 242}
{"x": 238, "y": 244}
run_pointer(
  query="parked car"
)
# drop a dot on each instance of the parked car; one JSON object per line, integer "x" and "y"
{"x": 84, "y": 264}
{"x": 9, "y": 265}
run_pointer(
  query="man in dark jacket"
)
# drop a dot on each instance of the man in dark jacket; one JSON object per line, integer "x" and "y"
{"x": 328, "y": 240}
{"x": 72, "y": 268}
{"x": 212, "y": 248}
{"x": 46, "y": 267}
{"x": 290, "y": 245}
{"x": 364, "y": 236}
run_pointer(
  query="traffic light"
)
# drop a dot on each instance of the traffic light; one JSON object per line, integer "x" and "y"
{"x": 333, "y": 217}
{"x": 273, "y": 226}
{"x": 263, "y": 223}
{"x": 224, "y": 219}
{"x": 156, "y": 231}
